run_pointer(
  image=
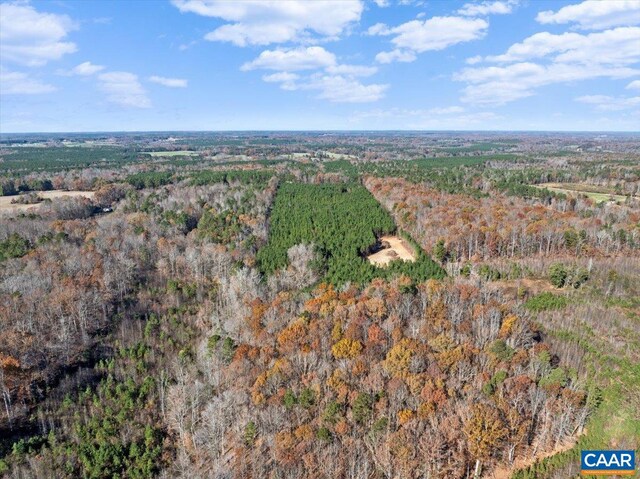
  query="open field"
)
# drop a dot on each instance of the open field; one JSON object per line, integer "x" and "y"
{"x": 323, "y": 154}
{"x": 172, "y": 153}
{"x": 597, "y": 193}
{"x": 7, "y": 207}
{"x": 339, "y": 156}
{"x": 393, "y": 248}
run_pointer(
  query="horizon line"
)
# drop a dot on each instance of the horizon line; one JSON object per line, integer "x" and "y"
{"x": 311, "y": 131}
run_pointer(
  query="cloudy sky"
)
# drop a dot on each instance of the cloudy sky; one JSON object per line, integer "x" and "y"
{"x": 312, "y": 64}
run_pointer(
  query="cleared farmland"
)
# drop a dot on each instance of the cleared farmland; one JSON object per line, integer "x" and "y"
{"x": 596, "y": 193}
{"x": 7, "y": 207}
{"x": 171, "y": 153}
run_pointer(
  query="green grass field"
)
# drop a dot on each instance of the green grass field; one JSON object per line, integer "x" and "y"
{"x": 596, "y": 193}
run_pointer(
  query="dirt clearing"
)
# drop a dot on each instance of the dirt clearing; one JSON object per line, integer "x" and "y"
{"x": 7, "y": 207}
{"x": 392, "y": 248}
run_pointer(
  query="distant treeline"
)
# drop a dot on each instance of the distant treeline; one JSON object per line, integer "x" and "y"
{"x": 154, "y": 179}
{"x": 10, "y": 187}
{"x": 151, "y": 179}
{"x": 241, "y": 176}
{"x": 58, "y": 158}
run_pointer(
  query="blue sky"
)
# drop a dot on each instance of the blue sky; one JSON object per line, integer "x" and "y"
{"x": 327, "y": 65}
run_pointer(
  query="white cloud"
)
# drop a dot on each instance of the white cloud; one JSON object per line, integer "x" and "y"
{"x": 436, "y": 33}
{"x": 396, "y": 55}
{"x": 86, "y": 69}
{"x": 185, "y": 46}
{"x": 32, "y": 38}
{"x": 497, "y": 7}
{"x": 473, "y": 60}
{"x": 287, "y": 80}
{"x": 538, "y": 45}
{"x": 281, "y": 77}
{"x": 262, "y": 22}
{"x": 447, "y": 110}
{"x": 382, "y": 3}
{"x": 243, "y": 35}
{"x": 378, "y": 29}
{"x": 562, "y": 58}
{"x": 18, "y": 83}
{"x": 291, "y": 60}
{"x": 619, "y": 46}
{"x": 634, "y": 85}
{"x": 616, "y": 46}
{"x": 335, "y": 88}
{"x": 342, "y": 89}
{"x": 595, "y": 14}
{"x": 499, "y": 85}
{"x": 169, "y": 82}
{"x": 124, "y": 89}
{"x": 336, "y": 83}
{"x": 351, "y": 70}
{"x": 609, "y": 103}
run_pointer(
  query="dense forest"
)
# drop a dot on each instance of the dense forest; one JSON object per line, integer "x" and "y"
{"x": 483, "y": 228}
{"x": 342, "y": 222}
{"x": 215, "y": 314}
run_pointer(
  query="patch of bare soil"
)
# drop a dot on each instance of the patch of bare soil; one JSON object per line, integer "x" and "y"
{"x": 392, "y": 248}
